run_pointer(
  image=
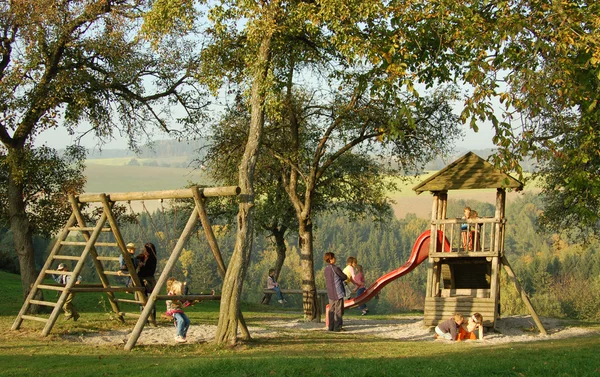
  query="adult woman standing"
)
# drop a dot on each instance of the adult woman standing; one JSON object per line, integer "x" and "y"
{"x": 146, "y": 271}
{"x": 334, "y": 279}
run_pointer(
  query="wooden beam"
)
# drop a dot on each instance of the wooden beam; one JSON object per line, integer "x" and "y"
{"x": 164, "y": 194}
{"x": 210, "y": 236}
{"x": 523, "y": 294}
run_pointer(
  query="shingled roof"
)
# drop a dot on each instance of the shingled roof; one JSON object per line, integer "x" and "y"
{"x": 468, "y": 172}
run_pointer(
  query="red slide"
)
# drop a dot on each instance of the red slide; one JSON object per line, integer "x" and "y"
{"x": 420, "y": 252}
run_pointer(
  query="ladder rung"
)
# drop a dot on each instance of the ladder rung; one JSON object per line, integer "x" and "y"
{"x": 57, "y": 272}
{"x": 51, "y": 287}
{"x": 66, "y": 257}
{"x": 113, "y": 273}
{"x": 107, "y": 289}
{"x": 39, "y": 302}
{"x": 39, "y": 319}
{"x": 128, "y": 300}
{"x": 123, "y": 314}
{"x": 116, "y": 259}
{"x": 87, "y": 229}
{"x": 82, "y": 243}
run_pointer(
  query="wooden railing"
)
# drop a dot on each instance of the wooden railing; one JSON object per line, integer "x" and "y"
{"x": 472, "y": 237}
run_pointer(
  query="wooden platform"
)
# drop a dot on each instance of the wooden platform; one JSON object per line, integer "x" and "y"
{"x": 438, "y": 309}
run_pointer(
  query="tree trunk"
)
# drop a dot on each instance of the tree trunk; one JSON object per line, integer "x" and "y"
{"x": 21, "y": 232}
{"x": 309, "y": 291}
{"x": 234, "y": 278}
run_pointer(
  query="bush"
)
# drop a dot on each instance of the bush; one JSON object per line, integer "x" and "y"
{"x": 578, "y": 298}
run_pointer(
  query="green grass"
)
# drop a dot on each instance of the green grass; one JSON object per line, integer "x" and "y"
{"x": 317, "y": 353}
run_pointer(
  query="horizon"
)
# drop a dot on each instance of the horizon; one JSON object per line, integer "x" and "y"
{"x": 59, "y": 138}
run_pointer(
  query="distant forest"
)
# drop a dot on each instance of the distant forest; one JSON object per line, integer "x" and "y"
{"x": 562, "y": 279}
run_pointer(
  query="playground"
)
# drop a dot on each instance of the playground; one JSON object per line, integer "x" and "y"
{"x": 463, "y": 276}
{"x": 512, "y": 329}
{"x": 284, "y": 345}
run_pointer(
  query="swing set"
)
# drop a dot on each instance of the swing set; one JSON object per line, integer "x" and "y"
{"x": 87, "y": 249}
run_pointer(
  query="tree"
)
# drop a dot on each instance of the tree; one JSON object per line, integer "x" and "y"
{"x": 541, "y": 61}
{"x": 273, "y": 212}
{"x": 67, "y": 62}
{"x": 49, "y": 178}
{"x": 331, "y": 155}
{"x": 249, "y": 50}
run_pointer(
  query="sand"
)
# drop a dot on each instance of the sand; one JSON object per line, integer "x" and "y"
{"x": 508, "y": 329}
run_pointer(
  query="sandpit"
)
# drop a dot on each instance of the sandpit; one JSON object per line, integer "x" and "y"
{"x": 508, "y": 329}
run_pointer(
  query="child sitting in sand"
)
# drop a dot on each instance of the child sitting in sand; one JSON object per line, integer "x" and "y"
{"x": 472, "y": 328}
{"x": 174, "y": 309}
{"x": 449, "y": 329}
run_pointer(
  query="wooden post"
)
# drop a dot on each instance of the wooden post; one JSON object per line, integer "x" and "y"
{"x": 430, "y": 261}
{"x": 523, "y": 294}
{"x": 189, "y": 227}
{"x": 495, "y": 277}
{"x": 210, "y": 236}
{"x": 141, "y": 296}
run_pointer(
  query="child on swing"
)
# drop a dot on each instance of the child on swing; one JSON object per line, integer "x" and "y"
{"x": 174, "y": 309}
{"x": 272, "y": 284}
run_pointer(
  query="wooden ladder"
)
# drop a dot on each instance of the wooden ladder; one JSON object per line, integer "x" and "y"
{"x": 76, "y": 223}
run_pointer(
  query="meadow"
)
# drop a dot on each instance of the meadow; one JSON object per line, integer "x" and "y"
{"x": 25, "y": 353}
{"x": 115, "y": 175}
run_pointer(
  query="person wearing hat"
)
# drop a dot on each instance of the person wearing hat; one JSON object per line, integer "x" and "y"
{"x": 68, "y": 307}
{"x": 123, "y": 271}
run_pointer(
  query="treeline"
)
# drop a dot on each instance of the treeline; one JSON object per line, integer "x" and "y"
{"x": 562, "y": 278}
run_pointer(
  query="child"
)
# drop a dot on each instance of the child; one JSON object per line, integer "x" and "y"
{"x": 272, "y": 284}
{"x": 68, "y": 307}
{"x": 174, "y": 309}
{"x": 468, "y": 332}
{"x": 449, "y": 329}
{"x": 123, "y": 271}
{"x": 464, "y": 228}
{"x": 349, "y": 272}
{"x": 359, "y": 278}
{"x": 475, "y": 234}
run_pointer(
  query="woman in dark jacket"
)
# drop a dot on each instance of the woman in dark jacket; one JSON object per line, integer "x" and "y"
{"x": 147, "y": 268}
{"x": 334, "y": 279}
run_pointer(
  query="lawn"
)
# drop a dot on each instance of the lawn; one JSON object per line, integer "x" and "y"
{"x": 25, "y": 353}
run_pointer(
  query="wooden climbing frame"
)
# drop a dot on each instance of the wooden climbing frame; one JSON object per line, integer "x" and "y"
{"x": 107, "y": 223}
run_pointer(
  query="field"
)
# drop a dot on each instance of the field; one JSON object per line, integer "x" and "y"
{"x": 291, "y": 353}
{"x": 114, "y": 175}
{"x": 123, "y": 178}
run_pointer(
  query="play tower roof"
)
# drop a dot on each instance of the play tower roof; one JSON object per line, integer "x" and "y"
{"x": 468, "y": 172}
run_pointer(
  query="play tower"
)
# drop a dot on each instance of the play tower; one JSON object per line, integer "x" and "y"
{"x": 464, "y": 274}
